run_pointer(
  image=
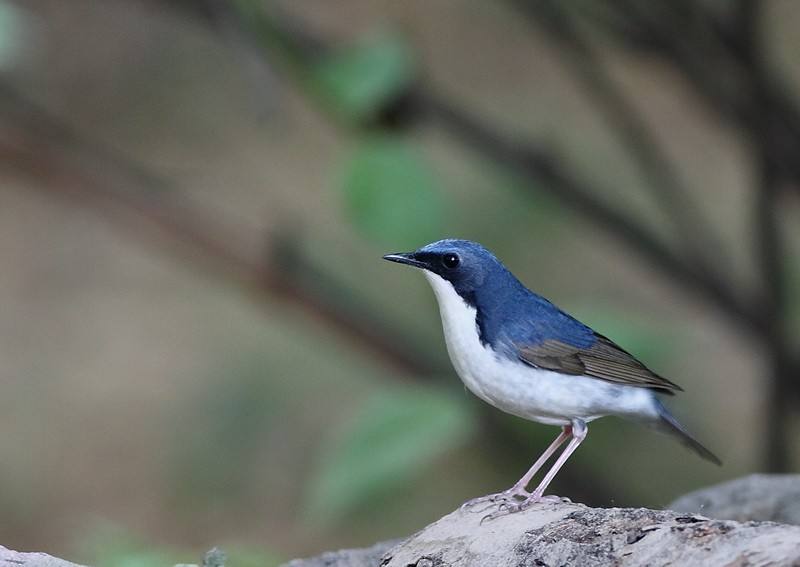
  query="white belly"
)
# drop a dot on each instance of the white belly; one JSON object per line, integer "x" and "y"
{"x": 525, "y": 391}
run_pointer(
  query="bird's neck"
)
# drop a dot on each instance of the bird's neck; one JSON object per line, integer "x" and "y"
{"x": 481, "y": 311}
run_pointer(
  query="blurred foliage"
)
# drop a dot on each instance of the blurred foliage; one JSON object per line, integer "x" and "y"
{"x": 110, "y": 546}
{"x": 113, "y": 547}
{"x": 13, "y": 24}
{"x": 389, "y": 441}
{"x": 361, "y": 79}
{"x": 391, "y": 194}
{"x": 214, "y": 452}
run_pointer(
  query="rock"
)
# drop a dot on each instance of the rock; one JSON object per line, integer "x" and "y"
{"x": 367, "y": 557}
{"x": 563, "y": 533}
{"x": 572, "y": 534}
{"x": 10, "y": 558}
{"x": 765, "y": 497}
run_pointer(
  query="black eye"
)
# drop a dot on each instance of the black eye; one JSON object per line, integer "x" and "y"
{"x": 451, "y": 261}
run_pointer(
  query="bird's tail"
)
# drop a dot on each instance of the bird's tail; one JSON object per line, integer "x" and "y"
{"x": 670, "y": 425}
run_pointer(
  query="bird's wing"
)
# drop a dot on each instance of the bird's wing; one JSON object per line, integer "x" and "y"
{"x": 604, "y": 360}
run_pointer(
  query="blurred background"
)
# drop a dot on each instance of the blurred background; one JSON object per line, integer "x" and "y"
{"x": 200, "y": 344}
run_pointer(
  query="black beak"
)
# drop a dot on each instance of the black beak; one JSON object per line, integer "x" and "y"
{"x": 405, "y": 258}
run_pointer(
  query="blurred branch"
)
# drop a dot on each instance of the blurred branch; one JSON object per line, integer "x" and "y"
{"x": 721, "y": 66}
{"x": 773, "y": 307}
{"x": 554, "y": 19}
{"x": 297, "y": 49}
{"x": 768, "y": 243}
{"x": 721, "y": 53}
{"x": 713, "y": 54}
{"x": 546, "y": 167}
{"x": 45, "y": 148}
{"x": 533, "y": 161}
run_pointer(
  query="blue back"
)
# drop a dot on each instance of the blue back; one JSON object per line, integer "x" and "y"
{"x": 508, "y": 314}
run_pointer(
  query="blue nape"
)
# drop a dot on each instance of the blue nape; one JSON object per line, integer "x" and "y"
{"x": 511, "y": 316}
{"x": 508, "y": 314}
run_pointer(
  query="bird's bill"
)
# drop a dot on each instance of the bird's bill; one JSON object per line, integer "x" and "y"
{"x": 405, "y": 258}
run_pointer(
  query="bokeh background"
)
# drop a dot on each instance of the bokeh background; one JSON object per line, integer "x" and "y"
{"x": 200, "y": 344}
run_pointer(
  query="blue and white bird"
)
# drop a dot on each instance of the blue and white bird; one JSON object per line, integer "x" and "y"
{"x": 520, "y": 353}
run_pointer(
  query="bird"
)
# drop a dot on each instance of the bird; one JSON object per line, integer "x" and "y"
{"x": 518, "y": 352}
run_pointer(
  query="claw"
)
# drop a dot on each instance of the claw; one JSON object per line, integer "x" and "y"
{"x": 513, "y": 493}
{"x": 506, "y": 508}
{"x": 478, "y": 500}
{"x": 488, "y": 504}
{"x": 554, "y": 498}
{"x": 475, "y": 501}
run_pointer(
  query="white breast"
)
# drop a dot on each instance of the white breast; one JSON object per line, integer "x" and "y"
{"x": 521, "y": 390}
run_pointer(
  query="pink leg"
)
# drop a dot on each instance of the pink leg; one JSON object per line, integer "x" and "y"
{"x": 566, "y": 432}
{"x": 579, "y": 431}
{"x": 519, "y": 488}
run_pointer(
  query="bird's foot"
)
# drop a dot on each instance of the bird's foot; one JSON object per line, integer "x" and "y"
{"x": 514, "y": 493}
{"x": 507, "y": 508}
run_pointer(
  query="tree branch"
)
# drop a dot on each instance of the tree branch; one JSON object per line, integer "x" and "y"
{"x": 541, "y": 165}
{"x": 622, "y": 118}
{"x": 724, "y": 75}
{"x": 43, "y": 147}
{"x": 768, "y": 243}
{"x": 533, "y": 162}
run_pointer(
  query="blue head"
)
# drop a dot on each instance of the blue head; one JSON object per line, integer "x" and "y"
{"x": 507, "y": 313}
{"x": 468, "y": 266}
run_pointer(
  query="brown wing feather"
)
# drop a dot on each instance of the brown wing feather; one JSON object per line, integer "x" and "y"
{"x": 604, "y": 360}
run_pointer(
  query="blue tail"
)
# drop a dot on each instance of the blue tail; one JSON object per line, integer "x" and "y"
{"x": 669, "y": 424}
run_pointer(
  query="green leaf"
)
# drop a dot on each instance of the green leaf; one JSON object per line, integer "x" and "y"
{"x": 13, "y": 31}
{"x": 394, "y": 436}
{"x": 108, "y": 544}
{"x": 793, "y": 299}
{"x": 391, "y": 194}
{"x": 361, "y": 79}
{"x": 220, "y": 431}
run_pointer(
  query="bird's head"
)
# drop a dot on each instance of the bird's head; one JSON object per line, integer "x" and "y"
{"x": 466, "y": 265}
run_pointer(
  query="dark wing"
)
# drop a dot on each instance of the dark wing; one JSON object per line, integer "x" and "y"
{"x": 603, "y": 360}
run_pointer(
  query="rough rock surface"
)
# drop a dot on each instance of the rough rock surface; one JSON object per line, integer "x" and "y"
{"x": 555, "y": 534}
{"x": 771, "y": 497}
{"x": 572, "y": 534}
{"x": 10, "y": 558}
{"x": 367, "y": 557}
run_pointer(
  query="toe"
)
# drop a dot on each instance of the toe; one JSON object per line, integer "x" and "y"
{"x": 550, "y": 498}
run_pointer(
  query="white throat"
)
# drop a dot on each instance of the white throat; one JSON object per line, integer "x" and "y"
{"x": 468, "y": 355}
{"x": 458, "y": 318}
